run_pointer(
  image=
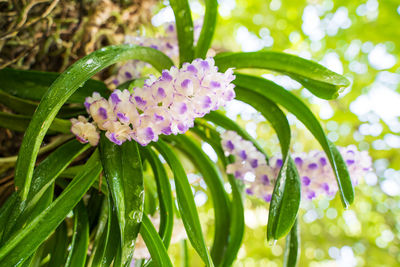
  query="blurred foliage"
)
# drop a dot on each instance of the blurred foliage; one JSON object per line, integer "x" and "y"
{"x": 359, "y": 40}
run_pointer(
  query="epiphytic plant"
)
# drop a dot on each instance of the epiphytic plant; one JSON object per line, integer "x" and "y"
{"x": 134, "y": 129}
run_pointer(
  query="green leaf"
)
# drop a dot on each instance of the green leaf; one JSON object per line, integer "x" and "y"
{"x": 317, "y": 79}
{"x": 32, "y": 85}
{"x": 292, "y": 247}
{"x": 164, "y": 194}
{"x": 59, "y": 250}
{"x": 123, "y": 170}
{"x": 237, "y": 226}
{"x": 5, "y": 212}
{"x": 50, "y": 168}
{"x": 184, "y": 29}
{"x": 26, "y": 240}
{"x": 94, "y": 207}
{"x": 220, "y": 119}
{"x": 154, "y": 244}
{"x": 185, "y": 253}
{"x": 59, "y": 92}
{"x": 214, "y": 182}
{"x": 294, "y": 105}
{"x": 187, "y": 206}
{"x": 285, "y": 199}
{"x": 80, "y": 238}
{"x": 28, "y": 107}
{"x": 208, "y": 29}
{"x": 41, "y": 193}
{"x": 19, "y": 123}
{"x": 113, "y": 248}
{"x": 102, "y": 233}
{"x": 19, "y": 105}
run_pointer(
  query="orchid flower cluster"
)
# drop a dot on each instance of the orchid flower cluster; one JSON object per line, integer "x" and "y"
{"x": 167, "y": 43}
{"x": 167, "y": 105}
{"x": 317, "y": 177}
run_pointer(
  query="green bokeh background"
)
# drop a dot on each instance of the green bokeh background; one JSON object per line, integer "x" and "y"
{"x": 367, "y": 234}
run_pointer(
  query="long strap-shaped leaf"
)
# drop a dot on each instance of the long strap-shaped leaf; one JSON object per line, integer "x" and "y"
{"x": 236, "y": 227}
{"x": 32, "y": 85}
{"x": 154, "y": 244}
{"x": 292, "y": 247}
{"x": 80, "y": 238}
{"x": 123, "y": 170}
{"x": 319, "y": 80}
{"x": 28, "y": 107}
{"x": 220, "y": 119}
{"x": 214, "y": 182}
{"x": 19, "y": 123}
{"x": 60, "y": 244}
{"x": 285, "y": 199}
{"x": 25, "y": 241}
{"x": 102, "y": 234}
{"x": 59, "y": 92}
{"x": 5, "y": 211}
{"x": 294, "y": 105}
{"x": 43, "y": 177}
{"x": 187, "y": 206}
{"x": 165, "y": 196}
{"x": 207, "y": 31}
{"x": 184, "y": 29}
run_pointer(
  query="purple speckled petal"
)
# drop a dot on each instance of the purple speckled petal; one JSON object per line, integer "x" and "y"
{"x": 192, "y": 68}
{"x": 122, "y": 116}
{"x": 140, "y": 101}
{"x": 182, "y": 127}
{"x": 323, "y": 161}
{"x": 183, "y": 108}
{"x": 113, "y": 138}
{"x": 279, "y": 163}
{"x": 298, "y": 161}
{"x": 350, "y": 161}
{"x": 103, "y": 113}
{"x": 204, "y": 64}
{"x": 185, "y": 83}
{"x": 325, "y": 186}
{"x": 311, "y": 195}
{"x": 313, "y": 166}
{"x": 254, "y": 163}
{"x": 207, "y": 102}
{"x": 158, "y": 117}
{"x": 115, "y": 82}
{"x": 167, "y": 130}
{"x": 87, "y": 105}
{"x": 230, "y": 145}
{"x": 169, "y": 45}
{"x": 243, "y": 154}
{"x": 215, "y": 84}
{"x": 230, "y": 95}
{"x": 154, "y": 46}
{"x": 115, "y": 99}
{"x": 238, "y": 174}
{"x": 161, "y": 92}
{"x": 128, "y": 75}
{"x": 267, "y": 198}
{"x": 306, "y": 180}
{"x": 265, "y": 179}
{"x": 81, "y": 139}
{"x": 149, "y": 134}
{"x": 249, "y": 191}
{"x": 166, "y": 76}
